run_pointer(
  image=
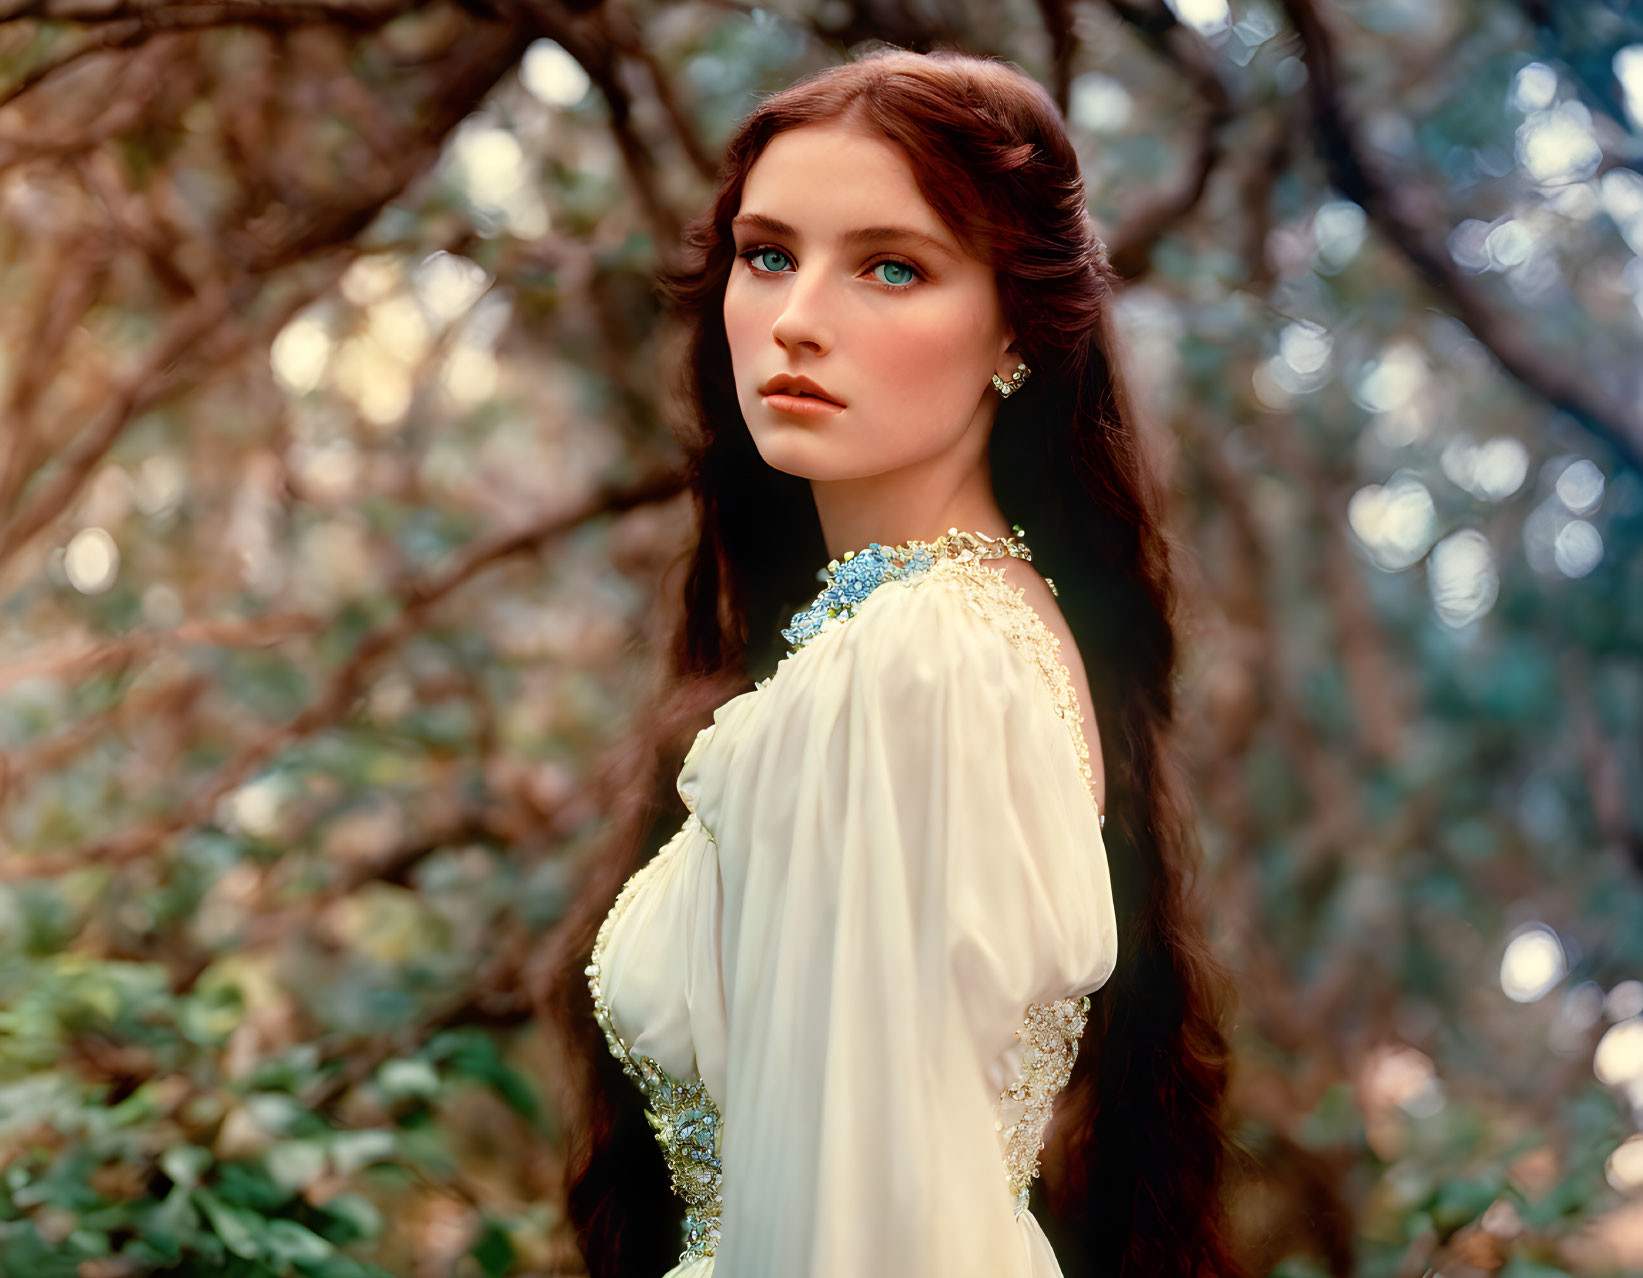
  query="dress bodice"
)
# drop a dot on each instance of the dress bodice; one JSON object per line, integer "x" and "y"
{"x": 918, "y": 679}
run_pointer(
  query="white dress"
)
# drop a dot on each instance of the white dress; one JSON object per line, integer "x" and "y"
{"x": 853, "y": 982}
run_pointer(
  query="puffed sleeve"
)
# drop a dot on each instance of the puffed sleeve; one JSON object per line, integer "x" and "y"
{"x": 911, "y": 857}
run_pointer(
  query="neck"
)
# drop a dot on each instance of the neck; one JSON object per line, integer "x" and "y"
{"x": 916, "y": 503}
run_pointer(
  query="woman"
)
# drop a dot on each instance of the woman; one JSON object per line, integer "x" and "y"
{"x": 895, "y": 927}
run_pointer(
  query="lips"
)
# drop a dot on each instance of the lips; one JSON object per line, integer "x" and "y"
{"x": 800, "y": 387}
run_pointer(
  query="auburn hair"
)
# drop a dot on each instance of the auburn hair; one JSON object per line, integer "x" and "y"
{"x": 1133, "y": 1163}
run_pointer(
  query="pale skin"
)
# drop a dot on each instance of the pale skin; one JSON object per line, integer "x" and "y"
{"x": 904, "y": 331}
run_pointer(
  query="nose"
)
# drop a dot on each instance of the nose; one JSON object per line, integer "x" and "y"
{"x": 804, "y": 318}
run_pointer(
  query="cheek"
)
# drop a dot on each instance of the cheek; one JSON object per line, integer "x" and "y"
{"x": 747, "y": 320}
{"x": 929, "y": 340}
{"x": 930, "y": 351}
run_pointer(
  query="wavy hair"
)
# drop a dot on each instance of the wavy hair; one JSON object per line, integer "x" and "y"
{"x": 1134, "y": 1163}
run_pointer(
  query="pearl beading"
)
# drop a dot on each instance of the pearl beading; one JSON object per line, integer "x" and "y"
{"x": 688, "y": 1123}
{"x": 1050, "y": 1036}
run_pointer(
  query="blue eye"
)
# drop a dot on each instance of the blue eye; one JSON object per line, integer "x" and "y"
{"x": 767, "y": 252}
{"x": 897, "y": 266}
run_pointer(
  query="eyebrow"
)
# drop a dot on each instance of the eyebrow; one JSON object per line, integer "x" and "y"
{"x": 861, "y": 235}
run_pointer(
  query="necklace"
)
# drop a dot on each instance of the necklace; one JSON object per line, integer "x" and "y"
{"x": 850, "y": 579}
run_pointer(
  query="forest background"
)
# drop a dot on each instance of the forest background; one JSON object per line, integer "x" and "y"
{"x": 336, "y": 486}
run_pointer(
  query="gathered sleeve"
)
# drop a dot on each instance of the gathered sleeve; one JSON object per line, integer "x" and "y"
{"x": 910, "y": 857}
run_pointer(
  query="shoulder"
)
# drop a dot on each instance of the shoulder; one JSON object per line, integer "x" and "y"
{"x": 952, "y": 621}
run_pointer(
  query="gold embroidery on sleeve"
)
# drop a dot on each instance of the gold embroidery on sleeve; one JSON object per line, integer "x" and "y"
{"x": 1050, "y": 1037}
{"x": 687, "y": 1122}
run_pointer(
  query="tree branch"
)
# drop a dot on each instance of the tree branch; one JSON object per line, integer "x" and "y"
{"x": 416, "y": 597}
{"x": 1142, "y": 227}
{"x": 1392, "y": 204}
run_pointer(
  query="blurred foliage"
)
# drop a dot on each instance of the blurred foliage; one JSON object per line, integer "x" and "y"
{"x": 336, "y": 496}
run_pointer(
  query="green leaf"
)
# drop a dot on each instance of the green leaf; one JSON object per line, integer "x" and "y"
{"x": 355, "y": 1217}
{"x": 185, "y": 1164}
{"x": 493, "y": 1250}
{"x": 242, "y": 1231}
{"x": 474, "y": 1054}
{"x": 291, "y": 1243}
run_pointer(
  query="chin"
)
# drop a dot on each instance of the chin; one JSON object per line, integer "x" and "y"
{"x": 799, "y": 457}
{"x": 814, "y": 459}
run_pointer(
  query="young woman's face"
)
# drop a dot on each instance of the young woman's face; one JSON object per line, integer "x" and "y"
{"x": 904, "y": 332}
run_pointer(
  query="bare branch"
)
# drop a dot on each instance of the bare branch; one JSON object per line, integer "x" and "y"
{"x": 139, "y": 386}
{"x": 588, "y": 39}
{"x": 117, "y": 35}
{"x": 416, "y": 598}
{"x": 1172, "y": 41}
{"x": 1143, "y": 226}
{"x": 137, "y": 81}
{"x": 1394, "y": 204}
{"x": 70, "y": 288}
{"x": 75, "y": 663}
{"x": 1058, "y": 22}
{"x": 158, "y": 15}
{"x": 626, "y": 36}
{"x": 1131, "y": 249}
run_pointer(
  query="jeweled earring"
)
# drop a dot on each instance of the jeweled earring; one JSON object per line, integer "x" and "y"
{"x": 1008, "y": 388}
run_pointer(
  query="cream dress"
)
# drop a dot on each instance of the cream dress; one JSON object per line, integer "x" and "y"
{"x": 853, "y": 982}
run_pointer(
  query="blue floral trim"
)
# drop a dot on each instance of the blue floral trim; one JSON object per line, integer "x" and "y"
{"x": 851, "y": 579}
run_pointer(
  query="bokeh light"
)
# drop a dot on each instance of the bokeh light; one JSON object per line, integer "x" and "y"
{"x": 1624, "y": 1168}
{"x": 1533, "y": 964}
{"x": 1395, "y": 522}
{"x": 1207, "y": 17}
{"x": 1490, "y": 471}
{"x": 553, "y": 76}
{"x": 1338, "y": 229}
{"x": 1624, "y": 1000}
{"x": 1462, "y": 576}
{"x": 300, "y": 354}
{"x": 257, "y": 808}
{"x": 1391, "y": 381}
{"x": 448, "y": 284}
{"x": 1557, "y": 145}
{"x": 1580, "y": 486}
{"x": 489, "y": 164}
{"x": 91, "y": 561}
{"x": 1628, "y": 69}
{"x": 1534, "y": 87}
{"x": 1620, "y": 192}
{"x": 1099, "y": 103}
{"x": 1619, "y": 1056}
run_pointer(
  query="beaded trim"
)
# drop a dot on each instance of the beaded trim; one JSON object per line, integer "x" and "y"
{"x": 851, "y": 579}
{"x": 1051, "y": 1035}
{"x": 991, "y": 594}
{"x": 687, "y": 1121}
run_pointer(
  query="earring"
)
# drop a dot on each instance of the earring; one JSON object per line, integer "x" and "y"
{"x": 1008, "y": 388}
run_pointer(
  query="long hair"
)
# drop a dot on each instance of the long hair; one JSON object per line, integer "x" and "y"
{"x": 1134, "y": 1164}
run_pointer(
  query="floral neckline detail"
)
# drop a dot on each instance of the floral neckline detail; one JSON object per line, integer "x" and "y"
{"x": 850, "y": 579}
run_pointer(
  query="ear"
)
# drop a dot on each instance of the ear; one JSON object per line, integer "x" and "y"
{"x": 1010, "y": 356}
